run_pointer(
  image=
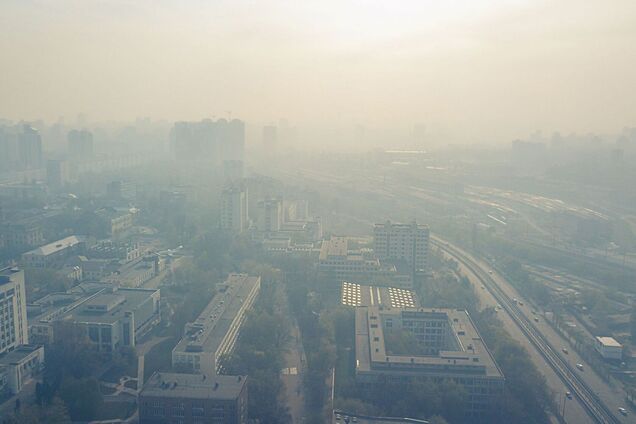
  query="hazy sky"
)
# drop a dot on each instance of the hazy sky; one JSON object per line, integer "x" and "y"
{"x": 471, "y": 68}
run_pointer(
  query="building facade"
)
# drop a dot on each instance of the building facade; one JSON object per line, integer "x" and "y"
{"x": 172, "y": 398}
{"x": 234, "y": 208}
{"x": 214, "y": 333}
{"x": 13, "y": 313}
{"x": 394, "y": 242}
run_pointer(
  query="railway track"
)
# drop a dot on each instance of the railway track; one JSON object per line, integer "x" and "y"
{"x": 590, "y": 401}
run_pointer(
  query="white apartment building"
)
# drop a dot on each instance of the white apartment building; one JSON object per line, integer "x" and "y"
{"x": 13, "y": 315}
{"x": 234, "y": 208}
{"x": 406, "y": 243}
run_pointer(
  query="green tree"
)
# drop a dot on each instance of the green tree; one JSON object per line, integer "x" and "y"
{"x": 82, "y": 396}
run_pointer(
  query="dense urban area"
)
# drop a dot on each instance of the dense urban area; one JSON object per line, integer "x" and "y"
{"x": 317, "y": 212}
{"x": 193, "y": 279}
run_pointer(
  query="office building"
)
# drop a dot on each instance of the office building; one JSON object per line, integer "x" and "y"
{"x": 234, "y": 208}
{"x": 405, "y": 243}
{"x": 269, "y": 215}
{"x": 80, "y": 144}
{"x": 112, "y": 317}
{"x": 210, "y": 140}
{"x": 608, "y": 348}
{"x": 14, "y": 328}
{"x": 30, "y": 148}
{"x": 172, "y": 398}
{"x": 51, "y": 254}
{"x": 214, "y": 333}
{"x": 448, "y": 347}
{"x": 337, "y": 263}
{"x": 19, "y": 366}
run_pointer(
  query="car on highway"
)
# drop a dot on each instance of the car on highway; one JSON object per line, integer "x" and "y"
{"x": 565, "y": 350}
{"x": 520, "y": 303}
{"x": 623, "y": 411}
{"x": 580, "y": 367}
{"x": 490, "y": 272}
{"x": 536, "y": 319}
{"x": 568, "y": 394}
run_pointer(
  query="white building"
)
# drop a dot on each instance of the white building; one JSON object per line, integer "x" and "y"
{"x": 214, "y": 333}
{"x": 609, "y": 348}
{"x": 45, "y": 256}
{"x": 406, "y": 243}
{"x": 234, "y": 208}
{"x": 20, "y": 365}
{"x": 14, "y": 325}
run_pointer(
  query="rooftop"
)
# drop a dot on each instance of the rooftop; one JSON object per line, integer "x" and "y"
{"x": 56, "y": 246}
{"x": 609, "y": 342}
{"x": 209, "y": 329}
{"x": 113, "y": 306}
{"x": 470, "y": 355}
{"x": 336, "y": 246}
{"x": 197, "y": 386}
{"x": 354, "y": 294}
{"x": 18, "y": 354}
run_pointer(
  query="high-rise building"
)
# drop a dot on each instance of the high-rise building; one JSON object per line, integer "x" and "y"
{"x": 270, "y": 138}
{"x": 233, "y": 170}
{"x": 407, "y": 243}
{"x": 234, "y": 208}
{"x": 13, "y": 331}
{"x": 80, "y": 144}
{"x": 30, "y": 148}
{"x": 209, "y": 140}
{"x": 269, "y": 215}
{"x": 57, "y": 173}
{"x": 9, "y": 158}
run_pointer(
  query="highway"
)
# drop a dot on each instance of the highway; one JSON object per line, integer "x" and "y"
{"x": 593, "y": 405}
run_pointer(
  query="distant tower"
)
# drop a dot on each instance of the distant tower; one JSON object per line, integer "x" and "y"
{"x": 234, "y": 208}
{"x": 30, "y": 148}
{"x": 80, "y": 144}
{"x": 270, "y": 138}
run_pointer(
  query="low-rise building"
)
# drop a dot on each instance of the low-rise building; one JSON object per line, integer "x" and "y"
{"x": 447, "y": 347}
{"x": 193, "y": 399}
{"x": 49, "y": 254}
{"x": 21, "y": 365}
{"x": 112, "y": 318}
{"x": 338, "y": 263}
{"x": 214, "y": 333}
{"x": 608, "y": 348}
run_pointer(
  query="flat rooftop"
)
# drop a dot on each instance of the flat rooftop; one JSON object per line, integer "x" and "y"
{"x": 193, "y": 386}
{"x": 121, "y": 301}
{"x": 336, "y": 246}
{"x": 471, "y": 357}
{"x": 55, "y": 246}
{"x": 609, "y": 342}
{"x": 208, "y": 330}
{"x": 18, "y": 354}
{"x": 354, "y": 294}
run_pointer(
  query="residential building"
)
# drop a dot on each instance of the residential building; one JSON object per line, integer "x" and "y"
{"x": 14, "y": 328}
{"x": 172, "y": 398}
{"x": 215, "y": 141}
{"x": 30, "y": 148}
{"x": 234, "y": 208}
{"x": 448, "y": 348}
{"x": 269, "y": 215}
{"x": 406, "y": 243}
{"x": 57, "y": 173}
{"x": 20, "y": 365}
{"x": 608, "y": 348}
{"x": 80, "y": 144}
{"x": 112, "y": 318}
{"x": 214, "y": 333}
{"x": 338, "y": 263}
{"x": 49, "y": 254}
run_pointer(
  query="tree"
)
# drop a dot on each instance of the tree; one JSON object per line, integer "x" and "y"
{"x": 82, "y": 396}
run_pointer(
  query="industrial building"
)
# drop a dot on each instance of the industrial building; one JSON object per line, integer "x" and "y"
{"x": 214, "y": 333}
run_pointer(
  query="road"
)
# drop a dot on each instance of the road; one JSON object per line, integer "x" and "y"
{"x": 291, "y": 375}
{"x": 586, "y": 397}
